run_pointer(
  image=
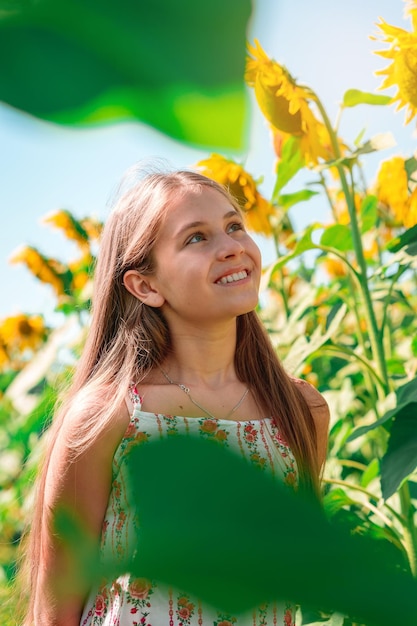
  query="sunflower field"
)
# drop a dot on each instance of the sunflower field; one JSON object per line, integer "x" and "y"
{"x": 339, "y": 301}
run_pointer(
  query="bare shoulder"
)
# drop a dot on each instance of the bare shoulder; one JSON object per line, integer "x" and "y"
{"x": 320, "y": 412}
{"x": 82, "y": 443}
{"x": 81, "y": 455}
{"x": 312, "y": 396}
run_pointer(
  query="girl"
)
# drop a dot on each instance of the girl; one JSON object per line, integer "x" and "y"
{"x": 174, "y": 346}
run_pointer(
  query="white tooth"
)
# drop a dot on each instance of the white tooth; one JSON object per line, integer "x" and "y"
{"x": 232, "y": 277}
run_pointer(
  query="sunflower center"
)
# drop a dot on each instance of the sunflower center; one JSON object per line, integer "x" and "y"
{"x": 25, "y": 329}
{"x": 277, "y": 108}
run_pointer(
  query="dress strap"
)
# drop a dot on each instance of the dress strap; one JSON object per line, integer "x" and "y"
{"x": 134, "y": 399}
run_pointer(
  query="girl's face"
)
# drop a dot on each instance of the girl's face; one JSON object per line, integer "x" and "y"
{"x": 207, "y": 266}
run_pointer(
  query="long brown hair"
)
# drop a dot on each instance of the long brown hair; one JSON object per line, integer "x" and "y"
{"x": 126, "y": 339}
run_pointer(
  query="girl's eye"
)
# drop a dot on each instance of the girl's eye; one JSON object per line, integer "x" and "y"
{"x": 236, "y": 226}
{"x": 196, "y": 238}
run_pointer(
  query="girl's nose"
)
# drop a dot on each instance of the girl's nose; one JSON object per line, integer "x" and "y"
{"x": 229, "y": 246}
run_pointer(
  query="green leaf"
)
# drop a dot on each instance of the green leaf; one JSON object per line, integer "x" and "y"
{"x": 406, "y": 394}
{"x": 406, "y": 240}
{"x": 337, "y": 236}
{"x": 396, "y": 367}
{"x": 176, "y": 66}
{"x": 400, "y": 459}
{"x": 368, "y": 213}
{"x": 370, "y": 473}
{"x": 285, "y": 201}
{"x": 6, "y": 378}
{"x": 353, "y": 97}
{"x": 326, "y": 566}
{"x": 304, "y": 347}
{"x": 303, "y": 244}
{"x": 336, "y": 619}
{"x": 357, "y": 142}
{"x": 290, "y": 163}
{"x": 39, "y": 419}
{"x": 333, "y": 313}
{"x": 335, "y": 500}
{"x": 410, "y": 166}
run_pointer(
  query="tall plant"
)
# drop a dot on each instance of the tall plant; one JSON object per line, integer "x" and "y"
{"x": 343, "y": 295}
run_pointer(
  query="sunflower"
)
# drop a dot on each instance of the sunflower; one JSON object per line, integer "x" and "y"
{"x": 22, "y": 332}
{"x": 285, "y": 104}
{"x": 402, "y": 72}
{"x": 257, "y": 210}
{"x": 392, "y": 190}
{"x": 392, "y": 184}
{"x": 92, "y": 227}
{"x": 81, "y": 270}
{"x": 73, "y": 229}
{"x": 334, "y": 268}
{"x": 4, "y": 355}
{"x": 46, "y": 270}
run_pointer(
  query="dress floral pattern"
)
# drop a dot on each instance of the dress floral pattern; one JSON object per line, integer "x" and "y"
{"x": 130, "y": 601}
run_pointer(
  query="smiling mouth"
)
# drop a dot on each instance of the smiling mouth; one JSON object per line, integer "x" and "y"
{"x": 231, "y": 278}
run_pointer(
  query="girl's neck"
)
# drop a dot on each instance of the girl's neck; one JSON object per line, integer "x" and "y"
{"x": 202, "y": 356}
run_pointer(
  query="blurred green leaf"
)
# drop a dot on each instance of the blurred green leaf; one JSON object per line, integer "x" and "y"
{"x": 368, "y": 213}
{"x": 303, "y": 244}
{"x": 410, "y": 167}
{"x": 290, "y": 162}
{"x": 400, "y": 459}
{"x": 334, "y": 620}
{"x": 335, "y": 500}
{"x": 286, "y": 201}
{"x": 326, "y": 567}
{"x": 371, "y": 472}
{"x": 6, "y": 378}
{"x": 353, "y": 97}
{"x": 337, "y": 236}
{"x": 405, "y": 240}
{"x": 39, "y": 419}
{"x": 176, "y": 66}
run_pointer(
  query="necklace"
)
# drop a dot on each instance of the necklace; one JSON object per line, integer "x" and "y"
{"x": 186, "y": 390}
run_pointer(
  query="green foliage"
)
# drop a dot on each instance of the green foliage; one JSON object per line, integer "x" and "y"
{"x": 169, "y": 548}
{"x": 353, "y": 97}
{"x": 167, "y": 64}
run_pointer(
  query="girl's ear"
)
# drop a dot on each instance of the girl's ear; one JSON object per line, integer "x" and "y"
{"x": 142, "y": 288}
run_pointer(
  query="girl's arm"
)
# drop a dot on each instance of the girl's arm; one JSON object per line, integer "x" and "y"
{"x": 81, "y": 488}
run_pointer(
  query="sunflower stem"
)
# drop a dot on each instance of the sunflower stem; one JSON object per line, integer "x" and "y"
{"x": 373, "y": 331}
{"x": 409, "y": 528}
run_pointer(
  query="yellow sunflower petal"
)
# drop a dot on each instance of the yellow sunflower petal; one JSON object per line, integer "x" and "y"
{"x": 411, "y": 215}
{"x": 402, "y": 72}
{"x": 257, "y": 210}
{"x": 287, "y": 105}
{"x": 71, "y": 227}
{"x": 46, "y": 270}
{"x": 392, "y": 187}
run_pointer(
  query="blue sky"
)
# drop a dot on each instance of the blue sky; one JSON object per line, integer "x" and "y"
{"x": 324, "y": 43}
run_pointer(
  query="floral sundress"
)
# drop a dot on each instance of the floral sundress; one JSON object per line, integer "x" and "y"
{"x": 130, "y": 601}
